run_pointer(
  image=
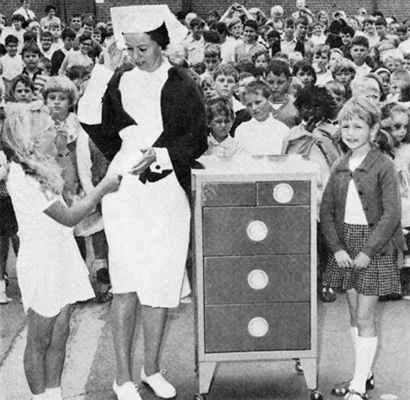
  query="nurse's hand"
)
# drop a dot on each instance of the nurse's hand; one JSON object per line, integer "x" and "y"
{"x": 148, "y": 157}
{"x": 111, "y": 56}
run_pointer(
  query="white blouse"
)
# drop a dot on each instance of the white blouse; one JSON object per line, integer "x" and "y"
{"x": 354, "y": 213}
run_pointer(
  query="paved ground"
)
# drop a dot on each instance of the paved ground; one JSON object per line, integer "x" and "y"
{"x": 89, "y": 367}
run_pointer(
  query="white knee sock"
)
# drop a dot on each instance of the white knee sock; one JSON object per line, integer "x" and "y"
{"x": 354, "y": 332}
{"x": 366, "y": 350}
{"x": 54, "y": 393}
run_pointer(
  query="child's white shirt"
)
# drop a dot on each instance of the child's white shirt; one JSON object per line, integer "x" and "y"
{"x": 269, "y": 137}
{"x": 404, "y": 47}
{"x": 228, "y": 147}
{"x": 12, "y": 66}
{"x": 354, "y": 213}
{"x": 362, "y": 71}
{"x": 237, "y": 105}
{"x": 323, "y": 78}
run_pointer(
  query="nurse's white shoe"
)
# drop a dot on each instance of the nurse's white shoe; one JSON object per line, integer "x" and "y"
{"x": 127, "y": 391}
{"x": 161, "y": 387}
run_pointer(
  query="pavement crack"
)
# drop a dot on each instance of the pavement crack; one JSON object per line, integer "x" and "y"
{"x": 12, "y": 343}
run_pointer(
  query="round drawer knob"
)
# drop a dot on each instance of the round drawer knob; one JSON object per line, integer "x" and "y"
{"x": 257, "y": 231}
{"x": 258, "y": 327}
{"x": 283, "y": 193}
{"x": 258, "y": 279}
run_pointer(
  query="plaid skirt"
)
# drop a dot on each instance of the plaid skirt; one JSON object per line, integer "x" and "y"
{"x": 380, "y": 278}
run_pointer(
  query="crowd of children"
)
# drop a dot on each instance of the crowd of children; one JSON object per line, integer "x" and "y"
{"x": 31, "y": 54}
{"x": 333, "y": 88}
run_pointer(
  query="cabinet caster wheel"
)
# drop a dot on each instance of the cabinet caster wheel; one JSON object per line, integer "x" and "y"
{"x": 298, "y": 367}
{"x": 316, "y": 395}
{"x": 199, "y": 397}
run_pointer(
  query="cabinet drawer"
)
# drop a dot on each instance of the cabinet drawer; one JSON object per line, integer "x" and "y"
{"x": 257, "y": 279}
{"x": 229, "y": 194}
{"x": 283, "y": 193}
{"x": 258, "y": 327}
{"x": 256, "y": 230}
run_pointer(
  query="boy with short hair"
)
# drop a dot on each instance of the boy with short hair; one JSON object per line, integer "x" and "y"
{"x": 370, "y": 33}
{"x": 288, "y": 43}
{"x": 31, "y": 55}
{"x": 16, "y": 29}
{"x": 387, "y": 42}
{"x": 398, "y": 80}
{"x": 79, "y": 57}
{"x": 55, "y": 30}
{"x": 338, "y": 93}
{"x": 263, "y": 134}
{"x": 194, "y": 44}
{"x": 75, "y": 23}
{"x": 207, "y": 86}
{"x": 225, "y": 79}
{"x": 11, "y": 63}
{"x": 360, "y": 51}
{"x": 303, "y": 44}
{"x": 220, "y": 117}
{"x": 273, "y": 38}
{"x": 321, "y": 56}
{"x": 347, "y": 34}
{"x": 46, "y": 41}
{"x": 344, "y": 72}
{"x": 212, "y": 58}
{"x": 68, "y": 36}
{"x": 403, "y": 34}
{"x": 87, "y": 25}
{"x": 318, "y": 37}
{"x": 279, "y": 79}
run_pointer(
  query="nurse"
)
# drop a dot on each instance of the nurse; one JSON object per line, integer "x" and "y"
{"x": 151, "y": 123}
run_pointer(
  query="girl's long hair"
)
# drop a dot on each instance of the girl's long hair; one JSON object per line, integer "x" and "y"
{"x": 24, "y": 125}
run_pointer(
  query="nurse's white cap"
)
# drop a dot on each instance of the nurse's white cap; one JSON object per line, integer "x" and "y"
{"x": 146, "y": 18}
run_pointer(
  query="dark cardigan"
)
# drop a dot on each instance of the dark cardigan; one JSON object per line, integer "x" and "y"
{"x": 377, "y": 185}
{"x": 183, "y": 117}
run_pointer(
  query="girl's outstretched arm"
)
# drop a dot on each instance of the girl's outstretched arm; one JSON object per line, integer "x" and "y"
{"x": 73, "y": 215}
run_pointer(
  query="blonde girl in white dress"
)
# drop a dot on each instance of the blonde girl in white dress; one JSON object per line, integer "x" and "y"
{"x": 51, "y": 273}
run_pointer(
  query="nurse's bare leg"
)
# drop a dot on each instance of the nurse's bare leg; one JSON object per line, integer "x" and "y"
{"x": 123, "y": 320}
{"x": 153, "y": 321}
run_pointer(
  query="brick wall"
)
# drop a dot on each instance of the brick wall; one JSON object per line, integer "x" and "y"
{"x": 398, "y": 8}
{"x": 103, "y": 10}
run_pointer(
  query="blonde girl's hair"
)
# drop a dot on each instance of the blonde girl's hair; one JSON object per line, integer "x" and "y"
{"x": 25, "y": 124}
{"x": 360, "y": 107}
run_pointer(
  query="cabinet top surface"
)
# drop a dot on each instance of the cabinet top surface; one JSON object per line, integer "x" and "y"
{"x": 243, "y": 165}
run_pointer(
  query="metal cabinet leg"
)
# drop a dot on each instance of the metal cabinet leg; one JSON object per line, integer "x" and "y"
{"x": 206, "y": 373}
{"x": 309, "y": 366}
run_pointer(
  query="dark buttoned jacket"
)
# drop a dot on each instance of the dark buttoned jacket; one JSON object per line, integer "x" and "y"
{"x": 378, "y": 188}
